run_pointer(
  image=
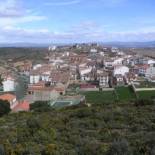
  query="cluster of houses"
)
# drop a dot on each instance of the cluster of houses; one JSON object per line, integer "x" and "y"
{"x": 98, "y": 67}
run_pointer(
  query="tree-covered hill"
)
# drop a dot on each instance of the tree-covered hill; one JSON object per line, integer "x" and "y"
{"x": 20, "y": 54}
{"x": 107, "y": 129}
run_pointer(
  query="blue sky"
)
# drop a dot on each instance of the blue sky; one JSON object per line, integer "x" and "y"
{"x": 66, "y": 21}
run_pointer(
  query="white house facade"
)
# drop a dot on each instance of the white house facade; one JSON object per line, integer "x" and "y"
{"x": 9, "y": 85}
{"x": 121, "y": 70}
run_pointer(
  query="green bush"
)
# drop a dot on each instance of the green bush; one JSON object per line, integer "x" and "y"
{"x": 119, "y": 147}
{"x": 4, "y": 107}
{"x": 143, "y": 102}
{"x": 40, "y": 106}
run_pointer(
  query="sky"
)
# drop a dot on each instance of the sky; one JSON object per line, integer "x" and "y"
{"x": 71, "y": 21}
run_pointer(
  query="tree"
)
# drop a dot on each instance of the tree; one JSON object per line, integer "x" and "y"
{"x": 119, "y": 147}
{"x": 4, "y": 107}
{"x": 40, "y": 106}
{"x": 50, "y": 149}
{"x": 2, "y": 151}
{"x": 33, "y": 123}
{"x": 1, "y": 80}
{"x": 144, "y": 102}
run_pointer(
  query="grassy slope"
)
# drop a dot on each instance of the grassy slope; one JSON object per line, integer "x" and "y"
{"x": 99, "y": 97}
{"x": 146, "y": 94}
{"x": 125, "y": 93}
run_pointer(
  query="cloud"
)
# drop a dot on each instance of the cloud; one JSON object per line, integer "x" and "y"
{"x": 13, "y": 12}
{"x": 85, "y": 26}
{"x": 17, "y": 34}
{"x": 45, "y": 36}
{"x": 124, "y": 37}
{"x": 91, "y": 31}
{"x": 11, "y": 8}
{"x": 12, "y": 15}
{"x": 88, "y": 31}
{"x": 28, "y": 18}
{"x": 109, "y": 3}
{"x": 64, "y": 3}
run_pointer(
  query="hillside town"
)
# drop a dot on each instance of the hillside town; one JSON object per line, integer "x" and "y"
{"x": 68, "y": 71}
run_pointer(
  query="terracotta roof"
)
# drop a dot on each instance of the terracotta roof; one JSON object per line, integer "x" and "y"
{"x": 39, "y": 88}
{"x": 22, "y": 106}
{"x": 60, "y": 77}
{"x": 7, "y": 97}
{"x": 144, "y": 66}
{"x": 91, "y": 63}
{"x": 87, "y": 86}
{"x": 59, "y": 89}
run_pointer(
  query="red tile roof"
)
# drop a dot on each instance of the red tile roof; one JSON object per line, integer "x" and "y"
{"x": 84, "y": 86}
{"x": 22, "y": 106}
{"x": 143, "y": 66}
{"x": 7, "y": 97}
{"x": 39, "y": 88}
{"x": 59, "y": 89}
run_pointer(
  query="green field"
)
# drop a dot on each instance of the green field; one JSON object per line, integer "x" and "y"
{"x": 125, "y": 93}
{"x": 146, "y": 94}
{"x": 121, "y": 93}
{"x": 99, "y": 97}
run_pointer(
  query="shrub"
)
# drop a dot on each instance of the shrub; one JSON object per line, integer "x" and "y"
{"x": 143, "y": 102}
{"x": 119, "y": 147}
{"x": 40, "y": 106}
{"x": 4, "y": 107}
{"x": 2, "y": 152}
{"x": 33, "y": 123}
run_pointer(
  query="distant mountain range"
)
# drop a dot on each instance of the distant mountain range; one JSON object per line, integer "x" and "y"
{"x": 115, "y": 44}
{"x": 131, "y": 44}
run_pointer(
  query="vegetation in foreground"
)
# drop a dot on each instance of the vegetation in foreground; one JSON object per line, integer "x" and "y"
{"x": 102, "y": 129}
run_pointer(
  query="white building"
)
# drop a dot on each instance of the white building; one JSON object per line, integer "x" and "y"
{"x": 119, "y": 80}
{"x": 45, "y": 77}
{"x": 102, "y": 54}
{"x": 93, "y": 50}
{"x": 121, "y": 53}
{"x": 121, "y": 70}
{"x": 114, "y": 50}
{"x": 150, "y": 71}
{"x": 37, "y": 66}
{"x": 118, "y": 61}
{"x": 84, "y": 73}
{"x": 9, "y": 84}
{"x": 40, "y": 74}
{"x": 108, "y": 63}
{"x": 52, "y": 48}
{"x": 151, "y": 62}
{"x": 103, "y": 78}
{"x": 34, "y": 79}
